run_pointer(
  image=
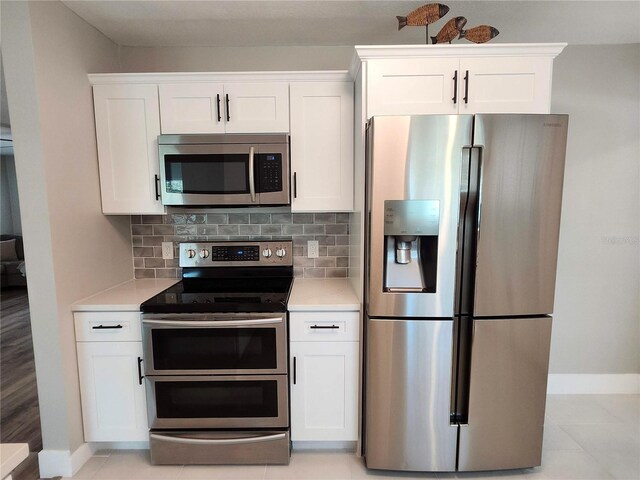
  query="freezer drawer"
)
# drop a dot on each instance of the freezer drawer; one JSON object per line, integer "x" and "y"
{"x": 507, "y": 393}
{"x": 219, "y": 448}
{"x": 408, "y": 393}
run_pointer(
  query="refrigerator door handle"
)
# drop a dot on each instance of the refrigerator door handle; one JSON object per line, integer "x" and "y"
{"x": 477, "y": 154}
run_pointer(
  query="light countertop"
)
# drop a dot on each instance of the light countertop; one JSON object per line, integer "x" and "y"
{"x": 124, "y": 297}
{"x": 11, "y": 455}
{"x": 323, "y": 294}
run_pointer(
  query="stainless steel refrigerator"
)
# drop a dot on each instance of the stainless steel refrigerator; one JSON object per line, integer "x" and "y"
{"x": 462, "y": 221}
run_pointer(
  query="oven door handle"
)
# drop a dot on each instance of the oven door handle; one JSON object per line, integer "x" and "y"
{"x": 216, "y": 441}
{"x": 213, "y": 323}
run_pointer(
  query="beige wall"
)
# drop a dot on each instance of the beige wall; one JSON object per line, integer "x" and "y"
{"x": 597, "y": 321}
{"x": 72, "y": 250}
{"x": 230, "y": 59}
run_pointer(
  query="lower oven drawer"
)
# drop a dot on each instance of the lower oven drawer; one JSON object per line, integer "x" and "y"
{"x": 217, "y": 401}
{"x": 219, "y": 448}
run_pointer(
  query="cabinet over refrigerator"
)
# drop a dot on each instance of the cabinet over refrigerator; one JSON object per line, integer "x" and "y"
{"x": 463, "y": 215}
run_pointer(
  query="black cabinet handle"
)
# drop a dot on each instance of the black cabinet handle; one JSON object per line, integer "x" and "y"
{"x": 218, "y": 106}
{"x": 140, "y": 376}
{"x": 157, "y": 187}
{"x": 294, "y": 370}
{"x": 466, "y": 87}
{"x": 227, "y": 103}
{"x": 325, "y": 327}
{"x": 295, "y": 185}
{"x": 106, "y": 327}
{"x": 455, "y": 88}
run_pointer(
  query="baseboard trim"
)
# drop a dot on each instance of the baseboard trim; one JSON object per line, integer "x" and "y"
{"x": 343, "y": 446}
{"x": 587, "y": 383}
{"x": 121, "y": 445}
{"x": 63, "y": 463}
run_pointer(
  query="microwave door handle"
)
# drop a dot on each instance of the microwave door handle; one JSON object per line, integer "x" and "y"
{"x": 252, "y": 180}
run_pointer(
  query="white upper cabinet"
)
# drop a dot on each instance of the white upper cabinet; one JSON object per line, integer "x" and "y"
{"x": 257, "y": 107}
{"x": 321, "y": 146}
{"x": 127, "y": 128}
{"x": 218, "y": 108}
{"x": 131, "y": 110}
{"x": 192, "y": 108}
{"x": 401, "y": 86}
{"x": 452, "y": 79}
{"x": 505, "y": 85}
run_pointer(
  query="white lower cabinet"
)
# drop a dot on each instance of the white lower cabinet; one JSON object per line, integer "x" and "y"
{"x": 324, "y": 391}
{"x": 324, "y": 367}
{"x": 111, "y": 387}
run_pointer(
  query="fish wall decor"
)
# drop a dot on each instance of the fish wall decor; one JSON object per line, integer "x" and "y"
{"x": 480, "y": 34}
{"x": 423, "y": 15}
{"x": 432, "y": 12}
{"x": 450, "y": 30}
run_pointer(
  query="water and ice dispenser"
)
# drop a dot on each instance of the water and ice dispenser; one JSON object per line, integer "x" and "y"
{"x": 411, "y": 245}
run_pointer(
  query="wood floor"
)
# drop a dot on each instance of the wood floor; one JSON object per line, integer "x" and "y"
{"x": 19, "y": 413}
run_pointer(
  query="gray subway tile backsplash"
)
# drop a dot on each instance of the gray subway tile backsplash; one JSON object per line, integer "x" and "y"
{"x": 238, "y": 218}
{"x": 260, "y": 218}
{"x": 331, "y": 230}
{"x": 249, "y": 230}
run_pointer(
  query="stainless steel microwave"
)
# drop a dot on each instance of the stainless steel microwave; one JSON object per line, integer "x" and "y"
{"x": 209, "y": 170}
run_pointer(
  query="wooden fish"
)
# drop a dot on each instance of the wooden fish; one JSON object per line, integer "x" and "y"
{"x": 480, "y": 34}
{"x": 451, "y": 30}
{"x": 423, "y": 15}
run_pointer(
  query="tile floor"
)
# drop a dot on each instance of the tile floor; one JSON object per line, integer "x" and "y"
{"x": 586, "y": 437}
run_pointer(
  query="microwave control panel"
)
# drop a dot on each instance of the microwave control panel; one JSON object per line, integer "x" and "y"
{"x": 270, "y": 172}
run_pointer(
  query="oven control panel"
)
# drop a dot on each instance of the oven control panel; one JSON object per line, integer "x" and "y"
{"x": 240, "y": 253}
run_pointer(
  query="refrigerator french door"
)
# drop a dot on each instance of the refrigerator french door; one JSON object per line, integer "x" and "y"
{"x": 462, "y": 220}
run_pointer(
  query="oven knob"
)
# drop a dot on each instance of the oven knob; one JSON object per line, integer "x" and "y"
{"x": 204, "y": 253}
{"x": 280, "y": 252}
{"x": 191, "y": 253}
{"x": 266, "y": 253}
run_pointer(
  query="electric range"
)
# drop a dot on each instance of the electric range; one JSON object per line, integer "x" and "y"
{"x": 216, "y": 356}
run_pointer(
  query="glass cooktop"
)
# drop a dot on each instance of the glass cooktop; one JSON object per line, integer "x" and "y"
{"x": 198, "y": 293}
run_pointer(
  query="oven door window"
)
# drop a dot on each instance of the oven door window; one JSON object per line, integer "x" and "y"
{"x": 214, "y": 348}
{"x": 220, "y": 174}
{"x": 217, "y": 399}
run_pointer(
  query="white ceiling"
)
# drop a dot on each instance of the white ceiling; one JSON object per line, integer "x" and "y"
{"x": 337, "y": 22}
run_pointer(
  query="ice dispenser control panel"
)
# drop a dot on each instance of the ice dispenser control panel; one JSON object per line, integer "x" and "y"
{"x": 411, "y": 217}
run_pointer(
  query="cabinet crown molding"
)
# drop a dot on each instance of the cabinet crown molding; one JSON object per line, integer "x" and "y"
{"x": 219, "y": 77}
{"x": 373, "y": 52}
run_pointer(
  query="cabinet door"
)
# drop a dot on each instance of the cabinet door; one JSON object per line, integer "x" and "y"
{"x": 324, "y": 391}
{"x": 505, "y": 85}
{"x": 256, "y": 107}
{"x": 113, "y": 399}
{"x": 192, "y": 108}
{"x": 127, "y": 129}
{"x": 412, "y": 86}
{"x": 322, "y": 146}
